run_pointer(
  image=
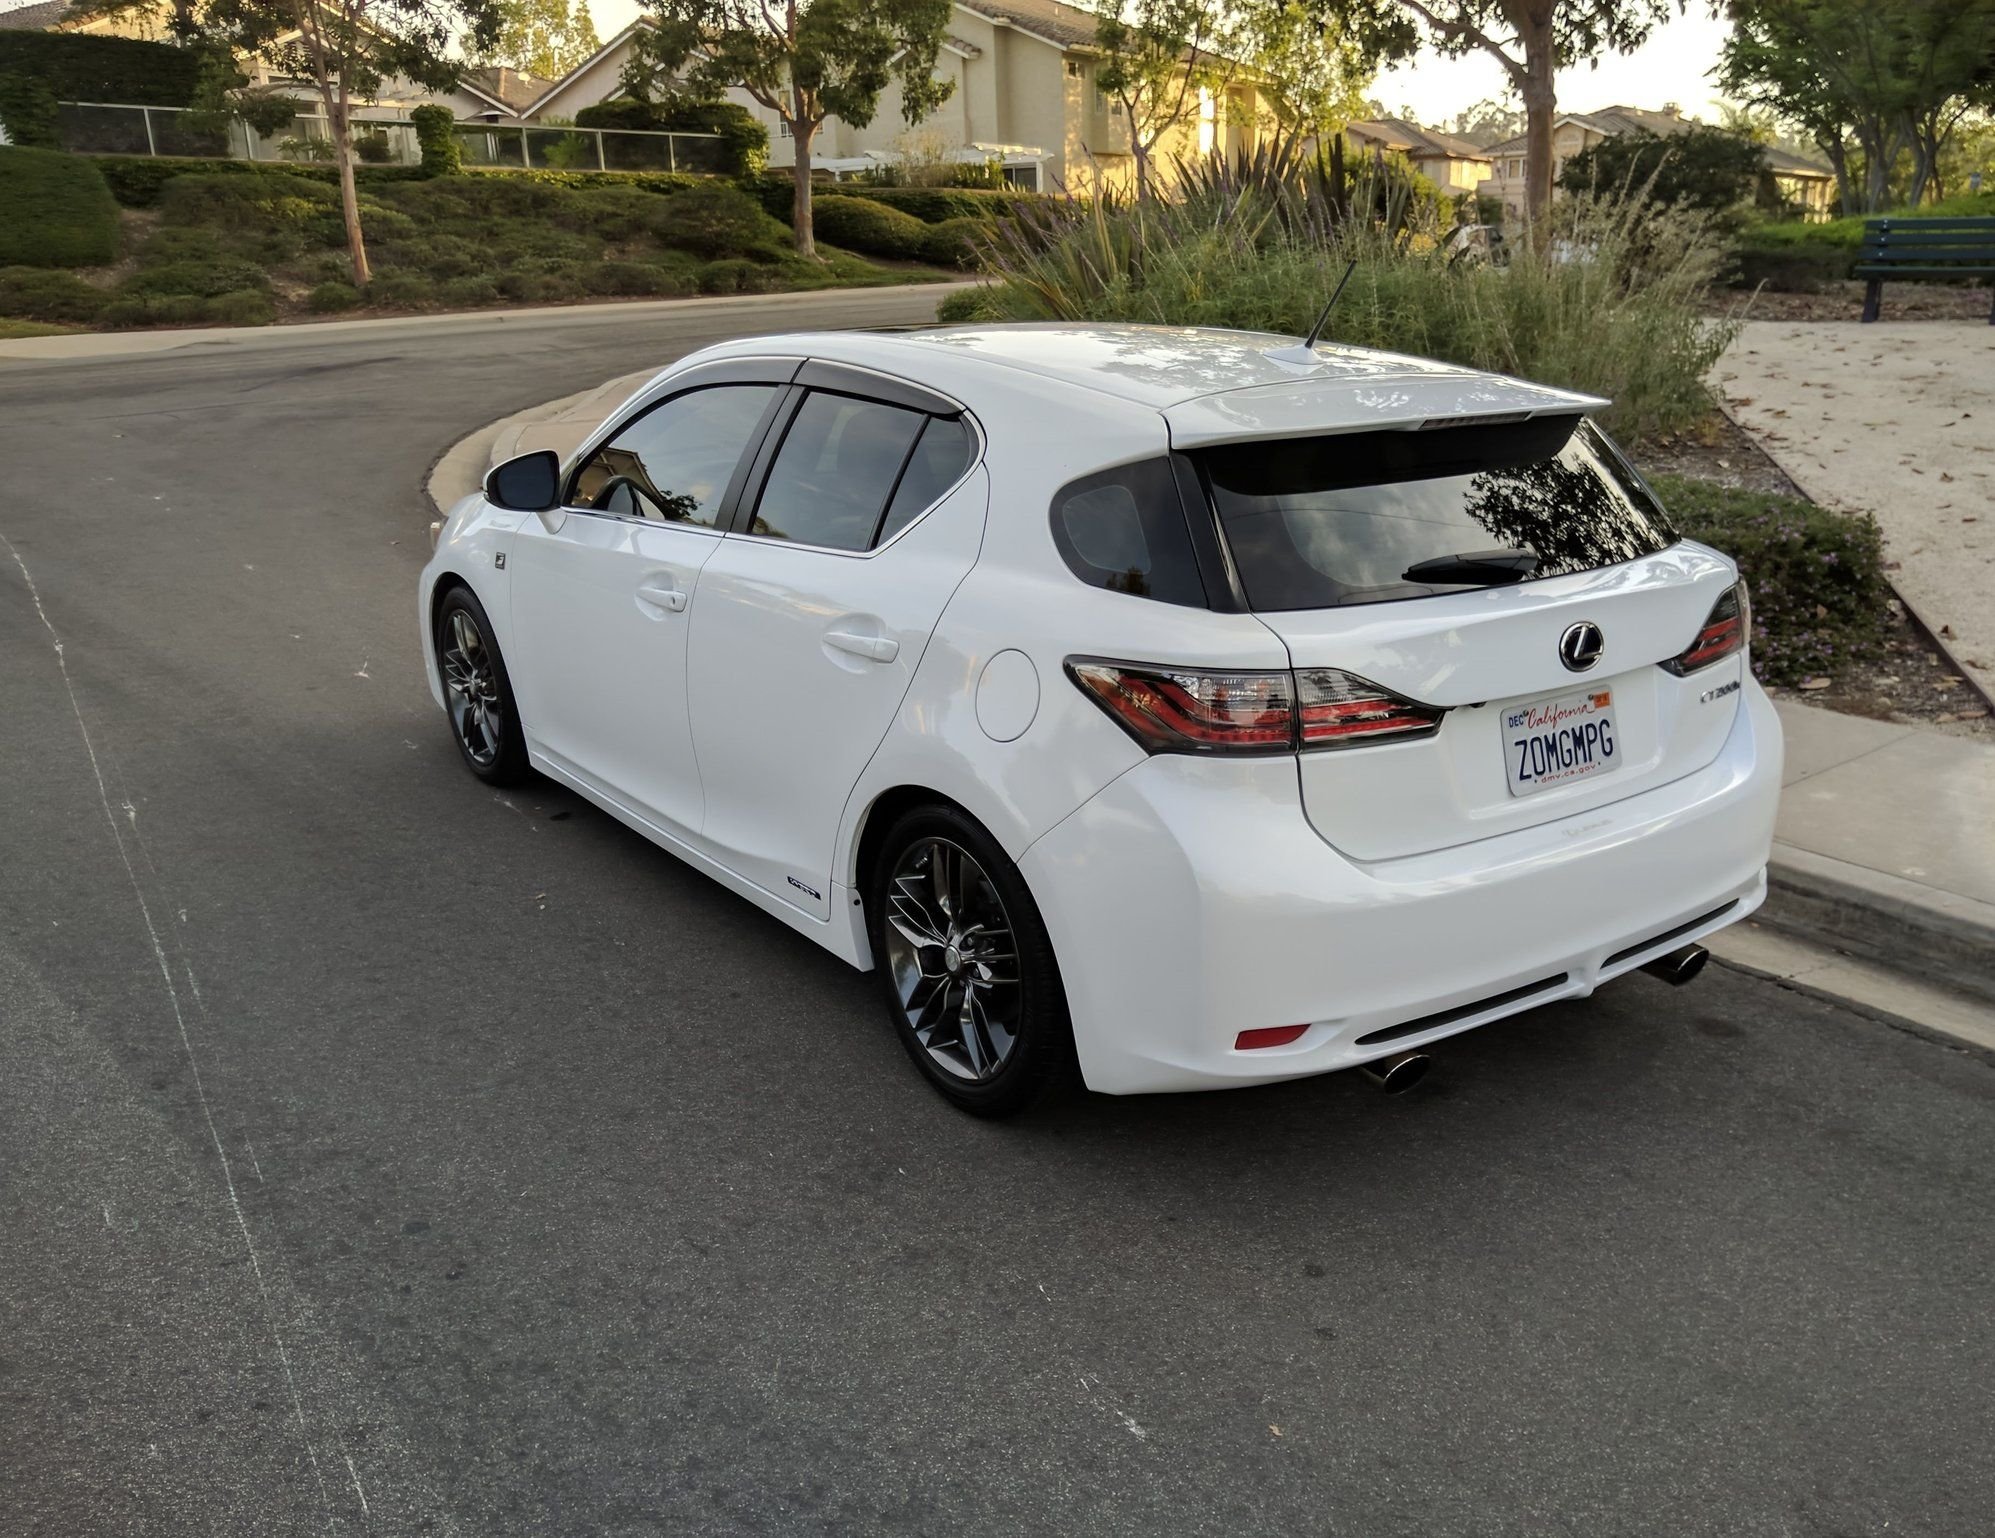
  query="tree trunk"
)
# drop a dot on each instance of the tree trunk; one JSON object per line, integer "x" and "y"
{"x": 1540, "y": 92}
{"x": 1142, "y": 157}
{"x": 349, "y": 194}
{"x": 801, "y": 135}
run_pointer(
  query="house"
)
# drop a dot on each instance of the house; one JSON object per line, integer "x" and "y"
{"x": 482, "y": 93}
{"x": 1025, "y": 94}
{"x": 1454, "y": 165}
{"x": 1801, "y": 181}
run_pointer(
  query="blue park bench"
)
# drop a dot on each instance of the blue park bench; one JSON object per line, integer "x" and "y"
{"x": 1923, "y": 248}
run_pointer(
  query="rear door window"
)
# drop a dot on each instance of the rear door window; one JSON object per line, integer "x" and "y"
{"x": 1317, "y": 523}
{"x": 839, "y": 464}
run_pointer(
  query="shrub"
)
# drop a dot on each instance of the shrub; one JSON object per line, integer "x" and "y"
{"x": 935, "y": 205}
{"x": 28, "y": 112}
{"x": 155, "y": 310}
{"x": 207, "y": 280}
{"x": 1702, "y": 167}
{"x": 227, "y": 202}
{"x": 955, "y": 242}
{"x": 328, "y": 298}
{"x": 42, "y": 293}
{"x": 1794, "y": 268}
{"x": 718, "y": 220}
{"x": 402, "y": 291}
{"x": 1820, "y": 597}
{"x": 1610, "y": 303}
{"x": 139, "y": 181}
{"x": 469, "y": 293}
{"x": 373, "y": 148}
{"x": 859, "y": 224}
{"x": 244, "y": 307}
{"x": 733, "y": 276}
{"x": 966, "y": 306}
{"x": 442, "y": 154}
{"x": 744, "y": 149}
{"x": 81, "y": 66}
{"x": 59, "y": 213}
{"x": 629, "y": 278}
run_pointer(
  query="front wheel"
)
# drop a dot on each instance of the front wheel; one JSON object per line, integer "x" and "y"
{"x": 972, "y": 986}
{"x": 477, "y": 691}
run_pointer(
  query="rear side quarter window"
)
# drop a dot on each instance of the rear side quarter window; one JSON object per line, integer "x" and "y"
{"x": 1124, "y": 530}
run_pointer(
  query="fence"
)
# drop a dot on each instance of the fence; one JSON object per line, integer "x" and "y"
{"x": 110, "y": 128}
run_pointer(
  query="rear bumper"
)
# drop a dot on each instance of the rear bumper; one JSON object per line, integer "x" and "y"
{"x": 1191, "y": 900}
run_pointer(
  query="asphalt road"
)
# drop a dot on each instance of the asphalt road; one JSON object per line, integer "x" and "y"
{"x": 379, "y": 1154}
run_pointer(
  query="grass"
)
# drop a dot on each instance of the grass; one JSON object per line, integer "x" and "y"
{"x": 13, "y": 329}
{"x": 75, "y": 220}
{"x": 231, "y": 249}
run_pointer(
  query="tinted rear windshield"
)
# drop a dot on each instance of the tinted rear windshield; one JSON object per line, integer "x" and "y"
{"x": 1315, "y": 523}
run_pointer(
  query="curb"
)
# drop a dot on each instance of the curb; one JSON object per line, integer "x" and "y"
{"x": 460, "y": 469}
{"x": 1935, "y": 936}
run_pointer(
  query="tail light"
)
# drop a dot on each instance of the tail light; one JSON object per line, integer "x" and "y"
{"x": 1724, "y": 633}
{"x": 1192, "y": 710}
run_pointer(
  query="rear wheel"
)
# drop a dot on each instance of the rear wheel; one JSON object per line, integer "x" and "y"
{"x": 971, "y": 983}
{"x": 477, "y": 692}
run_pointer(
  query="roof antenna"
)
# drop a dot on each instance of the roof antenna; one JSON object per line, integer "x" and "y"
{"x": 1306, "y": 353}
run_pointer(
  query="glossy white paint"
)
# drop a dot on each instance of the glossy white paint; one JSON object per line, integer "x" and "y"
{"x": 754, "y": 729}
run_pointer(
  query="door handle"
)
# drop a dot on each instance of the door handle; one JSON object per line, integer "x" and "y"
{"x": 664, "y": 597}
{"x": 872, "y": 648}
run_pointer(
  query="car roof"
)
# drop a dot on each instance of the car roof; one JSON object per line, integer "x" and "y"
{"x": 1210, "y": 385}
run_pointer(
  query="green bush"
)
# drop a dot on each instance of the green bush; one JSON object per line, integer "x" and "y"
{"x": 244, "y": 307}
{"x": 232, "y": 204}
{"x": 402, "y": 291}
{"x": 28, "y": 112}
{"x": 733, "y": 276}
{"x": 206, "y": 280}
{"x": 936, "y": 205}
{"x": 373, "y": 148}
{"x": 859, "y": 224}
{"x": 718, "y": 220}
{"x": 1705, "y": 167}
{"x": 139, "y": 181}
{"x": 59, "y": 213}
{"x": 82, "y": 66}
{"x": 955, "y": 242}
{"x": 744, "y": 141}
{"x": 156, "y": 310}
{"x": 469, "y": 293}
{"x": 1610, "y": 303}
{"x": 630, "y": 278}
{"x": 1819, "y": 593}
{"x": 43, "y": 293}
{"x": 1794, "y": 268}
{"x": 968, "y": 306}
{"x": 329, "y": 298}
{"x": 442, "y": 154}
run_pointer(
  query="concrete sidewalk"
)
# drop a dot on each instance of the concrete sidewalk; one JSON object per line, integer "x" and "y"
{"x": 1885, "y": 847}
{"x": 1897, "y": 421}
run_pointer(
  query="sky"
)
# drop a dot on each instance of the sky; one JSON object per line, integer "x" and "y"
{"x": 1669, "y": 68}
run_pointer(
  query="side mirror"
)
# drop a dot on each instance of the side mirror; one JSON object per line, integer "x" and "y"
{"x": 529, "y": 484}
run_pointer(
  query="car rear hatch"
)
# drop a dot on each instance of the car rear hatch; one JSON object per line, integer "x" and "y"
{"x": 1514, "y": 584}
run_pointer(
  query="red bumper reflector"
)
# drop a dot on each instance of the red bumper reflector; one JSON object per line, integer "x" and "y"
{"x": 1267, "y": 1036}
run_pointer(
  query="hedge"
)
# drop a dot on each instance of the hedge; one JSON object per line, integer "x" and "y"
{"x": 75, "y": 221}
{"x": 860, "y": 224}
{"x": 745, "y": 141}
{"x": 42, "y": 293}
{"x": 38, "y": 69}
{"x": 136, "y": 180}
{"x": 1800, "y": 257}
{"x": 931, "y": 205}
{"x": 1820, "y": 598}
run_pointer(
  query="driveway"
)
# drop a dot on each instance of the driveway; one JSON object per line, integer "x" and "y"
{"x": 1899, "y": 421}
{"x": 383, "y": 1155}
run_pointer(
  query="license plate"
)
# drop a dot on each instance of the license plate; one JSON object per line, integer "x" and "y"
{"x": 1556, "y": 741}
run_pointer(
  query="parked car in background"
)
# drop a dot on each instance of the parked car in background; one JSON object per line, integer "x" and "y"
{"x": 1181, "y": 704}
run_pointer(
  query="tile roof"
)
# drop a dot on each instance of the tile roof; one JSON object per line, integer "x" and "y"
{"x": 1410, "y": 138}
{"x": 34, "y": 18}
{"x": 1065, "y": 24}
{"x": 516, "y": 88}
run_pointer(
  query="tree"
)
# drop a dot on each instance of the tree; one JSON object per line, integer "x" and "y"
{"x": 1490, "y": 121}
{"x": 1312, "y": 77}
{"x": 1160, "y": 57}
{"x": 1532, "y": 39}
{"x": 805, "y": 60}
{"x": 547, "y": 38}
{"x": 1703, "y": 167}
{"x": 1895, "y": 76}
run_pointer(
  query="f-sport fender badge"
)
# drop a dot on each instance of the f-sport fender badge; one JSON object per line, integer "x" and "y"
{"x": 816, "y": 896}
{"x": 1718, "y": 693}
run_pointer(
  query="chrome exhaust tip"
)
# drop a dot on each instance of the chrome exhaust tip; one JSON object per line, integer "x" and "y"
{"x": 1678, "y": 967}
{"x": 1397, "y": 1074}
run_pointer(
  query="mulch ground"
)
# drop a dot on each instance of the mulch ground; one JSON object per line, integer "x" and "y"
{"x": 1912, "y": 681}
{"x": 1844, "y": 301}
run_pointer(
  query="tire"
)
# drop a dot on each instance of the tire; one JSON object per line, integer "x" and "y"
{"x": 984, "y": 1020}
{"x": 478, "y": 692}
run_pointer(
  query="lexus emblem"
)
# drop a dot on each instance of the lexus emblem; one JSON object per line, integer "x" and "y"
{"x": 1580, "y": 647}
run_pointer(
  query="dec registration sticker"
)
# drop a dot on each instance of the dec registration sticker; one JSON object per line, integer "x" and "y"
{"x": 1554, "y": 742}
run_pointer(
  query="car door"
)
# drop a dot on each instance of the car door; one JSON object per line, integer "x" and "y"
{"x": 603, "y": 589}
{"x": 814, "y": 612}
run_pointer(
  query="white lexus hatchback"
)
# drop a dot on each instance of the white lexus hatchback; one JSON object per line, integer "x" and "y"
{"x": 1183, "y": 704}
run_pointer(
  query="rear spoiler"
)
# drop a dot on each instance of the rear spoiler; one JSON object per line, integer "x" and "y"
{"x": 1415, "y": 402}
